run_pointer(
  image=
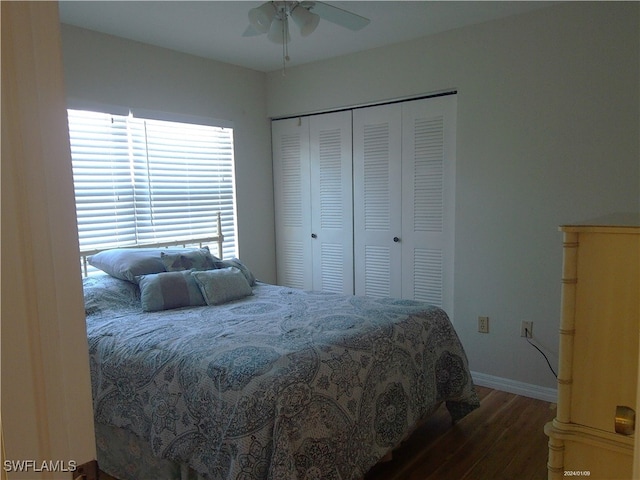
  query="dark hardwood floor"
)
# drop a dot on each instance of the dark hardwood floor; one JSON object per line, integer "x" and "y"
{"x": 501, "y": 440}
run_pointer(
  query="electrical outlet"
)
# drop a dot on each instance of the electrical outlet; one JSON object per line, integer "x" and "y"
{"x": 483, "y": 324}
{"x": 526, "y": 329}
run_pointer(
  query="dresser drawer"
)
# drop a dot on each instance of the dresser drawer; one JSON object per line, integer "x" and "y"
{"x": 605, "y": 354}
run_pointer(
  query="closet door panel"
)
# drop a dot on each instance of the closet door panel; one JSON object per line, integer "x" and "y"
{"x": 332, "y": 202}
{"x": 377, "y": 187}
{"x": 290, "y": 139}
{"x": 428, "y": 172}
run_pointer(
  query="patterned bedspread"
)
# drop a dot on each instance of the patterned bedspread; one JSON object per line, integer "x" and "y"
{"x": 282, "y": 384}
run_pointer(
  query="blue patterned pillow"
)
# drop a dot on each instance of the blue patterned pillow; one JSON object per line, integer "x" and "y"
{"x": 222, "y": 285}
{"x": 195, "y": 260}
{"x": 235, "y": 262}
{"x": 167, "y": 290}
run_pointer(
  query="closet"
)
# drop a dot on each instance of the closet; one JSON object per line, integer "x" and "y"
{"x": 364, "y": 200}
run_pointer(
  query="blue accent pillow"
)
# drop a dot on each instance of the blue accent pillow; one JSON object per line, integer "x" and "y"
{"x": 196, "y": 260}
{"x": 167, "y": 290}
{"x": 222, "y": 285}
{"x": 235, "y": 262}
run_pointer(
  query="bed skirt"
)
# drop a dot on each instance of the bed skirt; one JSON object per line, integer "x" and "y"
{"x": 125, "y": 456}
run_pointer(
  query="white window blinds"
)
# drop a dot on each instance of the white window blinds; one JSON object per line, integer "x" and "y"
{"x": 140, "y": 180}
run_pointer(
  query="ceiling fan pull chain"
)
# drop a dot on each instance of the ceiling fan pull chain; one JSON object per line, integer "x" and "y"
{"x": 285, "y": 44}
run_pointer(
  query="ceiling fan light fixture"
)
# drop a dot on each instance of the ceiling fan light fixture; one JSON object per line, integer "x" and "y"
{"x": 278, "y": 31}
{"x": 306, "y": 21}
{"x": 273, "y": 17}
{"x": 261, "y": 18}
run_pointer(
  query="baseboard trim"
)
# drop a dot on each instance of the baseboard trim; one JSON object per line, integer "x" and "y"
{"x": 513, "y": 386}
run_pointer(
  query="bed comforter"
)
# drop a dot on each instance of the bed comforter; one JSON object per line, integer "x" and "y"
{"x": 281, "y": 384}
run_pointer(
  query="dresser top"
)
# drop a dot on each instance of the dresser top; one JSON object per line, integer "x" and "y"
{"x": 616, "y": 222}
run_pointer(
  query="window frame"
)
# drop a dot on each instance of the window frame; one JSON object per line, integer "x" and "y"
{"x": 229, "y": 224}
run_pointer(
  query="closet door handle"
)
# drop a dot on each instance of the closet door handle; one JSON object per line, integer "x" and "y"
{"x": 313, "y": 235}
{"x": 396, "y": 239}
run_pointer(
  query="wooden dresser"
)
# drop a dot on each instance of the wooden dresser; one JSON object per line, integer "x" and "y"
{"x": 592, "y": 434}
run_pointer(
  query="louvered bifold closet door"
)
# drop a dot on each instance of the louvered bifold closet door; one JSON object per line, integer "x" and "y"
{"x": 377, "y": 193}
{"x": 428, "y": 169}
{"x": 331, "y": 202}
{"x": 290, "y": 139}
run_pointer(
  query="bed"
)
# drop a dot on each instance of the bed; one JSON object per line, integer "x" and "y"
{"x": 268, "y": 383}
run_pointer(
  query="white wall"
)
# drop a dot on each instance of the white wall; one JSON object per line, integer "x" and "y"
{"x": 548, "y": 122}
{"x": 110, "y": 70}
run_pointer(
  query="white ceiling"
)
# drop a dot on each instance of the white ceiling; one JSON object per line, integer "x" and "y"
{"x": 213, "y": 29}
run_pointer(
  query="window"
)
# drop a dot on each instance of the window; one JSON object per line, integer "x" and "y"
{"x": 142, "y": 180}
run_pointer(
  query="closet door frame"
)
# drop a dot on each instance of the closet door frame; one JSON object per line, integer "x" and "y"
{"x": 380, "y": 245}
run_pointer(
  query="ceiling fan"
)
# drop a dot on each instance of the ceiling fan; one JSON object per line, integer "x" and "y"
{"x": 272, "y": 18}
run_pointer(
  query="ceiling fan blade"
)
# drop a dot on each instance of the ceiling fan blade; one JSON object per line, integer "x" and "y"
{"x": 337, "y": 15}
